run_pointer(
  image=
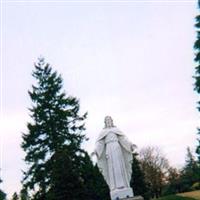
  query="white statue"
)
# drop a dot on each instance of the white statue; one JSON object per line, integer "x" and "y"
{"x": 114, "y": 159}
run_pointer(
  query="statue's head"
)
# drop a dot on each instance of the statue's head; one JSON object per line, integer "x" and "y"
{"x": 108, "y": 122}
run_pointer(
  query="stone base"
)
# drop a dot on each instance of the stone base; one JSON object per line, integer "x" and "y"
{"x": 134, "y": 198}
{"x": 125, "y": 193}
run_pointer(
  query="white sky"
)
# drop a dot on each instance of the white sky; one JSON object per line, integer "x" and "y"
{"x": 133, "y": 61}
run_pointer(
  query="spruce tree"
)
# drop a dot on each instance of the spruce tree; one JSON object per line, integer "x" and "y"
{"x": 197, "y": 73}
{"x": 138, "y": 179}
{"x": 84, "y": 180}
{"x": 95, "y": 186}
{"x": 191, "y": 172}
{"x": 53, "y": 141}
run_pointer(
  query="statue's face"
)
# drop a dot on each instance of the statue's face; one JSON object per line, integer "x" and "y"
{"x": 108, "y": 122}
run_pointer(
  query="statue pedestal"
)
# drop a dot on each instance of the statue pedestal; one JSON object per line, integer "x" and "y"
{"x": 125, "y": 193}
{"x": 134, "y": 198}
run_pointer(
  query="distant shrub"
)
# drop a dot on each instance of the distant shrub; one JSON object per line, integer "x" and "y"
{"x": 195, "y": 186}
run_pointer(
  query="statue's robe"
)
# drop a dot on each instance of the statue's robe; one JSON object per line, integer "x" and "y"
{"x": 114, "y": 158}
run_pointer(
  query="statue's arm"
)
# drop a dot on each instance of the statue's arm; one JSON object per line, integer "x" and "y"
{"x": 99, "y": 147}
{"x": 129, "y": 146}
{"x": 133, "y": 147}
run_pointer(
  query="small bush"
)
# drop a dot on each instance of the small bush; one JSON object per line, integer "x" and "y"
{"x": 195, "y": 186}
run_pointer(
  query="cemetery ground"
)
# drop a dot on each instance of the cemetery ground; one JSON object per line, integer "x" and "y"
{"x": 194, "y": 195}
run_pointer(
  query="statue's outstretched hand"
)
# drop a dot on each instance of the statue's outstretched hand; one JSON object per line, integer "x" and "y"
{"x": 133, "y": 147}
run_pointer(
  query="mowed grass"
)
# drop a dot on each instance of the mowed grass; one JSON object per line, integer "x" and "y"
{"x": 193, "y": 194}
{"x": 175, "y": 197}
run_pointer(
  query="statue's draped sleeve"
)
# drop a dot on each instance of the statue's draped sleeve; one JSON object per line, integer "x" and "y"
{"x": 101, "y": 156}
{"x": 100, "y": 146}
{"x": 127, "y": 153}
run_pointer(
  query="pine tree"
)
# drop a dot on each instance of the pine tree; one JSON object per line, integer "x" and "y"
{"x": 197, "y": 74}
{"x": 191, "y": 172}
{"x": 53, "y": 142}
{"x": 88, "y": 183}
{"x": 190, "y": 159}
{"x": 95, "y": 186}
{"x": 66, "y": 180}
{"x": 23, "y": 194}
{"x": 138, "y": 179}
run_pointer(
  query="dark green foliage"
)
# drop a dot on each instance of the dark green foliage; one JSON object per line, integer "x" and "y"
{"x": 191, "y": 169}
{"x": 183, "y": 180}
{"x": 2, "y": 194}
{"x": 15, "y": 196}
{"x": 66, "y": 181}
{"x": 94, "y": 183}
{"x": 24, "y": 195}
{"x": 138, "y": 180}
{"x": 53, "y": 142}
{"x": 197, "y": 73}
{"x": 84, "y": 179}
{"x": 190, "y": 173}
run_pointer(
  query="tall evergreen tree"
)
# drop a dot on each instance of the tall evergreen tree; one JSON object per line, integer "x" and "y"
{"x": 95, "y": 186}
{"x": 53, "y": 141}
{"x": 138, "y": 183}
{"x": 197, "y": 74}
{"x": 191, "y": 172}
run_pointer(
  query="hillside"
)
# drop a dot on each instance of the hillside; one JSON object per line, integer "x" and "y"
{"x": 194, "y": 195}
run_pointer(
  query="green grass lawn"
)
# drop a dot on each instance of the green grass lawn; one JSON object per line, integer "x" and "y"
{"x": 175, "y": 197}
{"x": 194, "y": 195}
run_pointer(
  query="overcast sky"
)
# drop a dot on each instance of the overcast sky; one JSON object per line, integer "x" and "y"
{"x": 130, "y": 60}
